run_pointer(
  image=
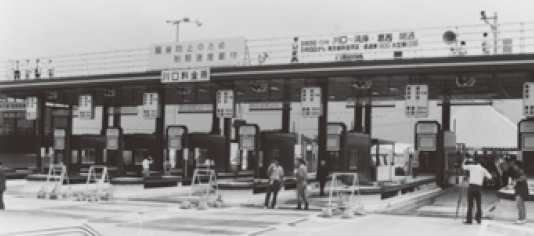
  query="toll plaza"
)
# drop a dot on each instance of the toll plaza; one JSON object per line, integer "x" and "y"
{"x": 215, "y": 77}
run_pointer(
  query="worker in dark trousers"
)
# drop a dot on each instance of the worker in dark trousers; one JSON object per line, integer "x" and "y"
{"x": 476, "y": 179}
{"x": 322, "y": 175}
{"x": 275, "y": 173}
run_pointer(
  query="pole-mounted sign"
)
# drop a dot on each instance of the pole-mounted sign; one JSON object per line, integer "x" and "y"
{"x": 416, "y": 103}
{"x": 32, "y": 108}
{"x": 150, "y": 106}
{"x": 311, "y": 102}
{"x": 225, "y": 104}
{"x": 86, "y": 107}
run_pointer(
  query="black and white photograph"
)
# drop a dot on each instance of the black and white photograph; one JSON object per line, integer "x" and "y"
{"x": 266, "y": 117}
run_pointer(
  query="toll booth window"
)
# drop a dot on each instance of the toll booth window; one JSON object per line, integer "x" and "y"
{"x": 139, "y": 155}
{"x": 74, "y": 157}
{"x": 127, "y": 155}
{"x": 88, "y": 156}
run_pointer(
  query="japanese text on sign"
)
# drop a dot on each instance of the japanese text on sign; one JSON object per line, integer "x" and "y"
{"x": 32, "y": 108}
{"x": 186, "y": 75}
{"x": 416, "y": 103}
{"x": 528, "y": 99}
{"x": 225, "y": 103}
{"x": 150, "y": 106}
{"x": 360, "y": 42}
{"x": 311, "y": 102}
{"x": 86, "y": 107}
{"x": 215, "y": 52}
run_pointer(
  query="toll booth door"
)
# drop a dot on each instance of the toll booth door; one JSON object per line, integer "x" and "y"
{"x": 528, "y": 162}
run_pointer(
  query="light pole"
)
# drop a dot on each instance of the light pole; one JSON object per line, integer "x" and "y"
{"x": 493, "y": 27}
{"x": 183, "y": 20}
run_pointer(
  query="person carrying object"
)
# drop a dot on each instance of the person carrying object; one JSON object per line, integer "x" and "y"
{"x": 477, "y": 173}
{"x": 275, "y": 173}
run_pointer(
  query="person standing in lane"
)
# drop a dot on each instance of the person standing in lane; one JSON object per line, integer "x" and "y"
{"x": 476, "y": 179}
{"x": 302, "y": 184}
{"x": 275, "y": 173}
{"x": 146, "y": 166}
{"x": 322, "y": 175}
{"x": 521, "y": 189}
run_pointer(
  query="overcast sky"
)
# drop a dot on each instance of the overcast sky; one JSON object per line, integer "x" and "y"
{"x": 36, "y": 28}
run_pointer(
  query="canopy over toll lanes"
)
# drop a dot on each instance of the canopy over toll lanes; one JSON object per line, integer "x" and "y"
{"x": 46, "y": 99}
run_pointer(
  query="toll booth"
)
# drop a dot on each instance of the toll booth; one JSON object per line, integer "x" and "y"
{"x": 136, "y": 148}
{"x": 451, "y": 157}
{"x": 358, "y": 154}
{"x": 207, "y": 148}
{"x": 277, "y": 145}
{"x": 525, "y": 144}
{"x": 429, "y": 146}
{"x": 349, "y": 151}
{"x": 382, "y": 157}
{"x": 61, "y": 145}
{"x": 335, "y": 146}
{"x": 248, "y": 135}
{"x": 87, "y": 150}
{"x": 177, "y": 150}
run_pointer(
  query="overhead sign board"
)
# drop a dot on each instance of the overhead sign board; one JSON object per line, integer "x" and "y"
{"x": 195, "y": 108}
{"x": 202, "y": 53}
{"x": 86, "y": 107}
{"x": 225, "y": 104}
{"x": 265, "y": 106}
{"x": 416, "y": 103}
{"x": 150, "y": 106}
{"x": 32, "y": 108}
{"x": 311, "y": 102}
{"x": 12, "y": 106}
{"x": 134, "y": 110}
{"x": 350, "y": 47}
{"x": 186, "y": 75}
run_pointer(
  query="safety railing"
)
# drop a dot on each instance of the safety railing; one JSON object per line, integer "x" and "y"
{"x": 511, "y": 38}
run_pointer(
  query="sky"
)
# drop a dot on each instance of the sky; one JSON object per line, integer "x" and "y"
{"x": 37, "y": 28}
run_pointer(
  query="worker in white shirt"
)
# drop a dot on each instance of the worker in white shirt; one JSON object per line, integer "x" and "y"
{"x": 476, "y": 179}
{"x": 146, "y": 166}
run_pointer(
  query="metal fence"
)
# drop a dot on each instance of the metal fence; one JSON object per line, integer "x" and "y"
{"x": 511, "y": 38}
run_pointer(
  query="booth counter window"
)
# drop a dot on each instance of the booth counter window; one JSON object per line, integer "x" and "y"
{"x": 139, "y": 155}
{"x": 88, "y": 156}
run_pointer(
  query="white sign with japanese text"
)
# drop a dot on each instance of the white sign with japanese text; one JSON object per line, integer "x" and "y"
{"x": 32, "y": 108}
{"x": 150, "y": 106}
{"x": 528, "y": 99}
{"x": 186, "y": 75}
{"x": 225, "y": 104}
{"x": 352, "y": 47}
{"x": 86, "y": 107}
{"x": 311, "y": 102}
{"x": 202, "y": 53}
{"x": 416, "y": 103}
